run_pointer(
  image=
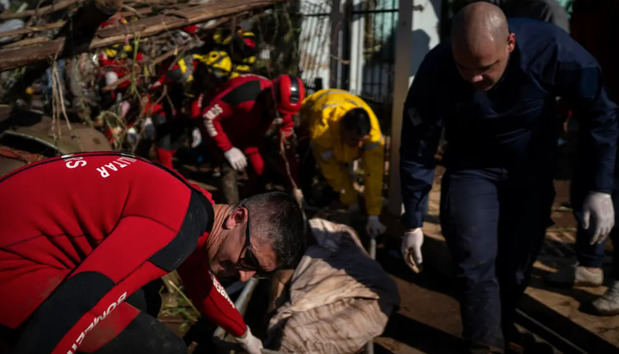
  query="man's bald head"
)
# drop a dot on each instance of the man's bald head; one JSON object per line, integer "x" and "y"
{"x": 481, "y": 41}
{"x": 479, "y": 24}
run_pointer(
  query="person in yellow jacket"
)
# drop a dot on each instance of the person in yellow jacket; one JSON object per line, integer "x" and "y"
{"x": 343, "y": 128}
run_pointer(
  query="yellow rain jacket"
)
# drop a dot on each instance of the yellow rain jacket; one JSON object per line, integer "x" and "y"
{"x": 321, "y": 115}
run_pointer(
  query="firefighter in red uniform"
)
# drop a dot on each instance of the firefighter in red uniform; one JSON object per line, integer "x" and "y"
{"x": 235, "y": 122}
{"x": 240, "y": 44}
{"x": 187, "y": 82}
{"x": 81, "y": 233}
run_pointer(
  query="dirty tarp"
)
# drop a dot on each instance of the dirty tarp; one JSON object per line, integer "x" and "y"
{"x": 339, "y": 297}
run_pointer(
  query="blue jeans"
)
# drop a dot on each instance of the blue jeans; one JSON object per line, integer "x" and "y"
{"x": 494, "y": 222}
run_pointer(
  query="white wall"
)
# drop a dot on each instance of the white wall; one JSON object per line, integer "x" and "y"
{"x": 417, "y": 33}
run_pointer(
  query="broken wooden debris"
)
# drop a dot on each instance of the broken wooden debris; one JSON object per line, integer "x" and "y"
{"x": 183, "y": 15}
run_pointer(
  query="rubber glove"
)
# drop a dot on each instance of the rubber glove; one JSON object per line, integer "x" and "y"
{"x": 149, "y": 129}
{"x": 196, "y": 138}
{"x": 237, "y": 159}
{"x": 110, "y": 78}
{"x": 411, "y": 249}
{"x": 374, "y": 227}
{"x": 250, "y": 344}
{"x": 600, "y": 206}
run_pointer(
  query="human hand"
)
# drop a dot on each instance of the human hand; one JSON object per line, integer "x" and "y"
{"x": 196, "y": 138}
{"x": 411, "y": 249}
{"x": 249, "y": 342}
{"x": 374, "y": 227}
{"x": 600, "y": 206}
{"x": 236, "y": 158}
{"x": 110, "y": 78}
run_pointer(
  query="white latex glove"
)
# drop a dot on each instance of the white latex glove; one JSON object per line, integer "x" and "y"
{"x": 250, "y": 344}
{"x": 236, "y": 158}
{"x": 110, "y": 78}
{"x": 374, "y": 227}
{"x": 149, "y": 129}
{"x": 600, "y": 206}
{"x": 411, "y": 249}
{"x": 196, "y": 138}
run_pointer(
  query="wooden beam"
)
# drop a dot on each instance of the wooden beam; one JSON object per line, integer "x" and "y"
{"x": 183, "y": 16}
{"x": 41, "y": 11}
{"x": 17, "y": 56}
{"x": 163, "y": 57}
{"x": 33, "y": 29}
{"x": 58, "y": 24}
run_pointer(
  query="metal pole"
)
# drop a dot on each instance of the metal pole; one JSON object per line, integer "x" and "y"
{"x": 369, "y": 346}
{"x": 241, "y": 304}
{"x": 356, "y": 49}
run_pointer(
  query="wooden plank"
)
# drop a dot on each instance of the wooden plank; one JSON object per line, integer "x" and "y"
{"x": 58, "y": 24}
{"x": 41, "y": 11}
{"x": 33, "y": 29}
{"x": 184, "y": 16}
{"x": 15, "y": 57}
{"x": 27, "y": 42}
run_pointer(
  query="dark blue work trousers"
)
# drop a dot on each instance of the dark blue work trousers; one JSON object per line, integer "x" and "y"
{"x": 494, "y": 221}
{"x": 593, "y": 255}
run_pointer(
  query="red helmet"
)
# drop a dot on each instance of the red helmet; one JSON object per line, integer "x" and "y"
{"x": 289, "y": 93}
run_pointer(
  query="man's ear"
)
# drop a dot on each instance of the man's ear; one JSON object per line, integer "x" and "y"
{"x": 511, "y": 42}
{"x": 235, "y": 218}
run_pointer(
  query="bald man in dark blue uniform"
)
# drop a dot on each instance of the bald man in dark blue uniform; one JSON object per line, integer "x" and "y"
{"x": 493, "y": 88}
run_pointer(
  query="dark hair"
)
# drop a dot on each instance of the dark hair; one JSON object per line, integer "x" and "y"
{"x": 357, "y": 122}
{"x": 276, "y": 216}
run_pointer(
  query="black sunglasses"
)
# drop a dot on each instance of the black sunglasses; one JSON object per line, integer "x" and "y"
{"x": 249, "y": 262}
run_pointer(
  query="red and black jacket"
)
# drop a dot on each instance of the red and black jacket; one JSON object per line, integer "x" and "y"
{"x": 80, "y": 233}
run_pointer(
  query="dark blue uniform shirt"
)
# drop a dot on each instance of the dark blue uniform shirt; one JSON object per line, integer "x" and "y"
{"x": 513, "y": 125}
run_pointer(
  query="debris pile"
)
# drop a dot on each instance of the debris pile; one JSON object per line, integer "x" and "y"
{"x": 100, "y": 62}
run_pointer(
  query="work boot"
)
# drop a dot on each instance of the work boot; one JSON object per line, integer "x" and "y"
{"x": 608, "y": 304}
{"x": 576, "y": 275}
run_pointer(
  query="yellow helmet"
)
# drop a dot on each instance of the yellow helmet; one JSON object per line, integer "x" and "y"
{"x": 218, "y": 63}
{"x": 122, "y": 51}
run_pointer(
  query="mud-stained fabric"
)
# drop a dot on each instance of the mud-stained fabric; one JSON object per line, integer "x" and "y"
{"x": 339, "y": 297}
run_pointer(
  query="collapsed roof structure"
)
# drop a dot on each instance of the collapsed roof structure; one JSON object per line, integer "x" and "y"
{"x": 32, "y": 43}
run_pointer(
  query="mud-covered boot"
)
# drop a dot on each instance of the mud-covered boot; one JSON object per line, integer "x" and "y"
{"x": 576, "y": 275}
{"x": 608, "y": 304}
